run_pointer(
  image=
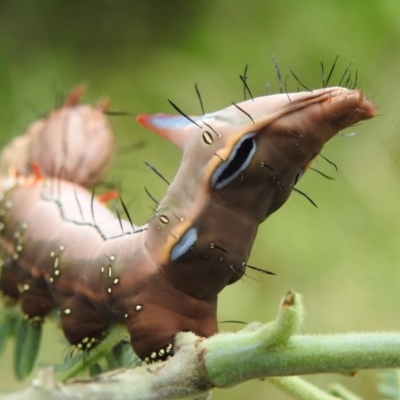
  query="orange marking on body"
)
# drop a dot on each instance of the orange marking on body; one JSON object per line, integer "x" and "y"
{"x": 14, "y": 172}
{"x": 36, "y": 172}
{"x": 108, "y": 196}
{"x": 73, "y": 98}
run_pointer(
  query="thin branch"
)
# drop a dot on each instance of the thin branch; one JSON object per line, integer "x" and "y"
{"x": 301, "y": 389}
{"x": 227, "y": 359}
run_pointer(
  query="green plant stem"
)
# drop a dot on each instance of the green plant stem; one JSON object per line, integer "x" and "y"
{"x": 199, "y": 364}
{"x": 301, "y": 389}
{"x": 80, "y": 363}
{"x": 230, "y": 361}
{"x": 342, "y": 392}
{"x": 398, "y": 384}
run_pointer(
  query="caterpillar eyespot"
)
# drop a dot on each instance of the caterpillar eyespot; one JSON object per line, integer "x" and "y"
{"x": 238, "y": 161}
{"x": 61, "y": 247}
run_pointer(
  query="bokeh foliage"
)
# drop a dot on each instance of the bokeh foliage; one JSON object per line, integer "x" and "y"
{"x": 344, "y": 256}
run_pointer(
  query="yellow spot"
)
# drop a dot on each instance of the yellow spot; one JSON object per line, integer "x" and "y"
{"x": 164, "y": 219}
{"x": 207, "y": 137}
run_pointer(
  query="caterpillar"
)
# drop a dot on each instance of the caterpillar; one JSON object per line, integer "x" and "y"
{"x": 61, "y": 247}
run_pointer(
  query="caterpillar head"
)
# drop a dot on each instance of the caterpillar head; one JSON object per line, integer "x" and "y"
{"x": 269, "y": 141}
{"x": 239, "y": 165}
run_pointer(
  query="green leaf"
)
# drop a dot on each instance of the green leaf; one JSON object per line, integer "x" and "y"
{"x": 121, "y": 356}
{"x": 95, "y": 369}
{"x": 27, "y": 339}
{"x": 389, "y": 384}
{"x": 82, "y": 361}
{"x": 6, "y": 329}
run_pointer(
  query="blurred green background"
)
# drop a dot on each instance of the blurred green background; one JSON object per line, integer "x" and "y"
{"x": 344, "y": 256}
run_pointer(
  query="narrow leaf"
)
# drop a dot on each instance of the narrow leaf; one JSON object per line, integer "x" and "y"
{"x": 6, "y": 328}
{"x": 27, "y": 338}
{"x": 121, "y": 356}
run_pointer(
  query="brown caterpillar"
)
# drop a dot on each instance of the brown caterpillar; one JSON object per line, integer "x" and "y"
{"x": 61, "y": 247}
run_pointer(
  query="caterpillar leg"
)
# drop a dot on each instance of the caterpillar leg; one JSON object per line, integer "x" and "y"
{"x": 36, "y": 299}
{"x": 9, "y": 281}
{"x": 82, "y": 324}
{"x": 33, "y": 293}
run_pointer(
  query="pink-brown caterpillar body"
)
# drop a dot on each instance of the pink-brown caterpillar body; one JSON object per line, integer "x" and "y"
{"x": 63, "y": 248}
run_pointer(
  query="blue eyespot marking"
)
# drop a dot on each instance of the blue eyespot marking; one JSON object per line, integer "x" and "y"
{"x": 186, "y": 242}
{"x": 237, "y": 162}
